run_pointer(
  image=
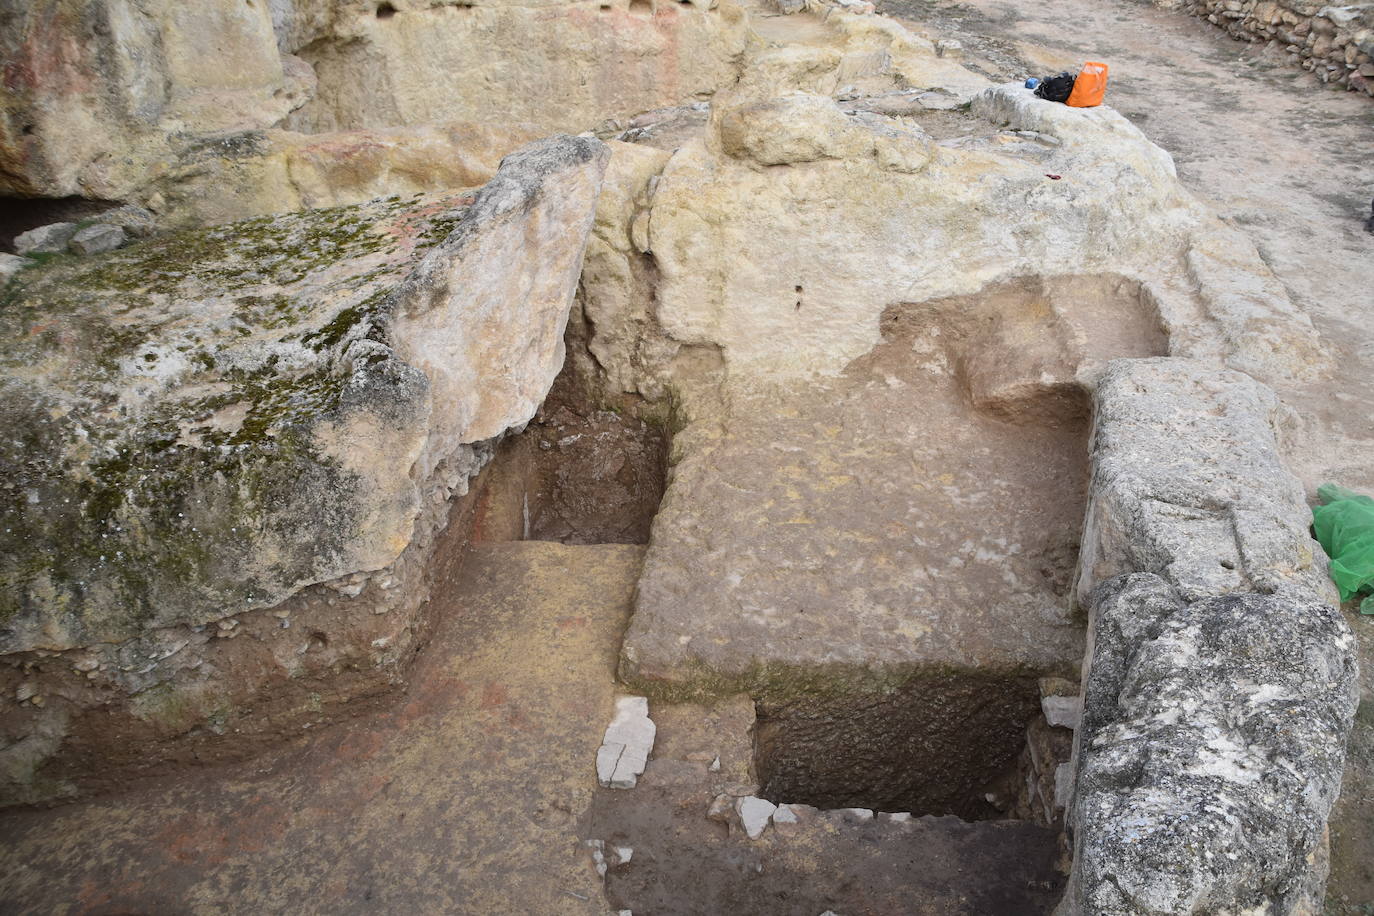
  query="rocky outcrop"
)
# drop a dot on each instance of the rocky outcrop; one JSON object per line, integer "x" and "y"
{"x": 1187, "y": 484}
{"x": 855, "y": 211}
{"x": 558, "y": 66}
{"x": 93, "y": 91}
{"x": 229, "y": 177}
{"x": 1220, "y": 681}
{"x": 100, "y": 98}
{"x": 1210, "y": 752}
{"x": 208, "y": 424}
{"x": 1334, "y": 42}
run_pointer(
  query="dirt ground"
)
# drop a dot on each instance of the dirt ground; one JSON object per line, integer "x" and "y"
{"x": 1280, "y": 156}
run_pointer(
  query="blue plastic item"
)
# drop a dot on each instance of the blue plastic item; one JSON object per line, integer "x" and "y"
{"x": 1032, "y": 82}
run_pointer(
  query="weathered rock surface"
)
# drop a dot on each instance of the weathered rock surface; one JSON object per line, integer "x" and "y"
{"x": 1220, "y": 680}
{"x": 873, "y": 558}
{"x": 228, "y": 177}
{"x": 206, "y": 424}
{"x": 94, "y": 90}
{"x": 97, "y": 239}
{"x": 49, "y": 239}
{"x": 1187, "y": 483}
{"x": 870, "y": 211}
{"x": 1210, "y": 751}
{"x": 559, "y": 66}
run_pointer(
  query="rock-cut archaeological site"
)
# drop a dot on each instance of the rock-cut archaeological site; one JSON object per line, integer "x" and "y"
{"x": 662, "y": 457}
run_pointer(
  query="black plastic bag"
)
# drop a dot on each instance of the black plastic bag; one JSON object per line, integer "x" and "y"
{"x": 1056, "y": 88}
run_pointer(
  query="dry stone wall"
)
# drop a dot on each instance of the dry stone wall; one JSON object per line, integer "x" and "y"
{"x": 1335, "y": 43}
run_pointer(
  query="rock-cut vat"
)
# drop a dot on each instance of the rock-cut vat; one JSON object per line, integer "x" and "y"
{"x": 886, "y": 563}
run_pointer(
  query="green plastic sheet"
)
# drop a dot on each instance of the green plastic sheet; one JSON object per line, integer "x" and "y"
{"x": 1344, "y": 525}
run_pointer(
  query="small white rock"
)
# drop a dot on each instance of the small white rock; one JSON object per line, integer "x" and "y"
{"x": 1062, "y": 712}
{"x": 754, "y": 814}
{"x": 784, "y": 815}
{"x": 11, "y": 264}
{"x": 1063, "y": 785}
{"x": 625, "y": 749}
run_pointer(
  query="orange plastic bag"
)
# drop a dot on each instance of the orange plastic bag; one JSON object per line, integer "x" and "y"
{"x": 1090, "y": 87}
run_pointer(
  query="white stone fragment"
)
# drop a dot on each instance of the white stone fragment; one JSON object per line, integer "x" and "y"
{"x": 784, "y": 815}
{"x": 898, "y": 817}
{"x": 1062, "y": 712}
{"x": 624, "y": 750}
{"x": 863, "y": 814}
{"x": 754, "y": 813}
{"x": 624, "y": 854}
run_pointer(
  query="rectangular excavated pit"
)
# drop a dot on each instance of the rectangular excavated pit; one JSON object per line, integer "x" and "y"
{"x": 584, "y": 471}
{"x": 884, "y": 560}
{"x": 938, "y": 744}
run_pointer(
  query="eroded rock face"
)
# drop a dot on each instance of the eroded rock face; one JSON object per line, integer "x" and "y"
{"x": 206, "y": 181}
{"x": 1187, "y": 483}
{"x": 1220, "y": 680}
{"x": 92, "y": 90}
{"x": 205, "y": 425}
{"x": 100, "y": 99}
{"x": 857, "y": 211}
{"x": 1210, "y": 751}
{"x": 559, "y": 66}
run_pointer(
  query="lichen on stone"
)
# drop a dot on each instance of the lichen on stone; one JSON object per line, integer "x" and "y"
{"x": 164, "y": 406}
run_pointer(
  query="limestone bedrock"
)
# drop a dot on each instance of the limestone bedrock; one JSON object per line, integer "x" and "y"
{"x": 1187, "y": 483}
{"x": 792, "y": 198}
{"x": 105, "y": 96}
{"x": 1211, "y": 749}
{"x": 1220, "y": 680}
{"x": 207, "y": 423}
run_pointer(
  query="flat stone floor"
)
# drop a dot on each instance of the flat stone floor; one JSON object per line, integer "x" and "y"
{"x": 872, "y": 520}
{"x": 1284, "y": 159}
{"x": 470, "y": 796}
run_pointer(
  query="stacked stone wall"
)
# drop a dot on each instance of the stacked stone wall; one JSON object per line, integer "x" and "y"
{"x": 1335, "y": 43}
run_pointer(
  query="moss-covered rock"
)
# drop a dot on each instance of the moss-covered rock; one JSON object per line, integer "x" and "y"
{"x": 206, "y": 423}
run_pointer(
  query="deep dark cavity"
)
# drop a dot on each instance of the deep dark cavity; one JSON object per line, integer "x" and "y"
{"x": 20, "y": 214}
{"x": 586, "y": 470}
{"x": 938, "y": 744}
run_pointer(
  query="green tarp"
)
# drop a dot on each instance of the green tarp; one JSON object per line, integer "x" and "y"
{"x": 1344, "y": 525}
